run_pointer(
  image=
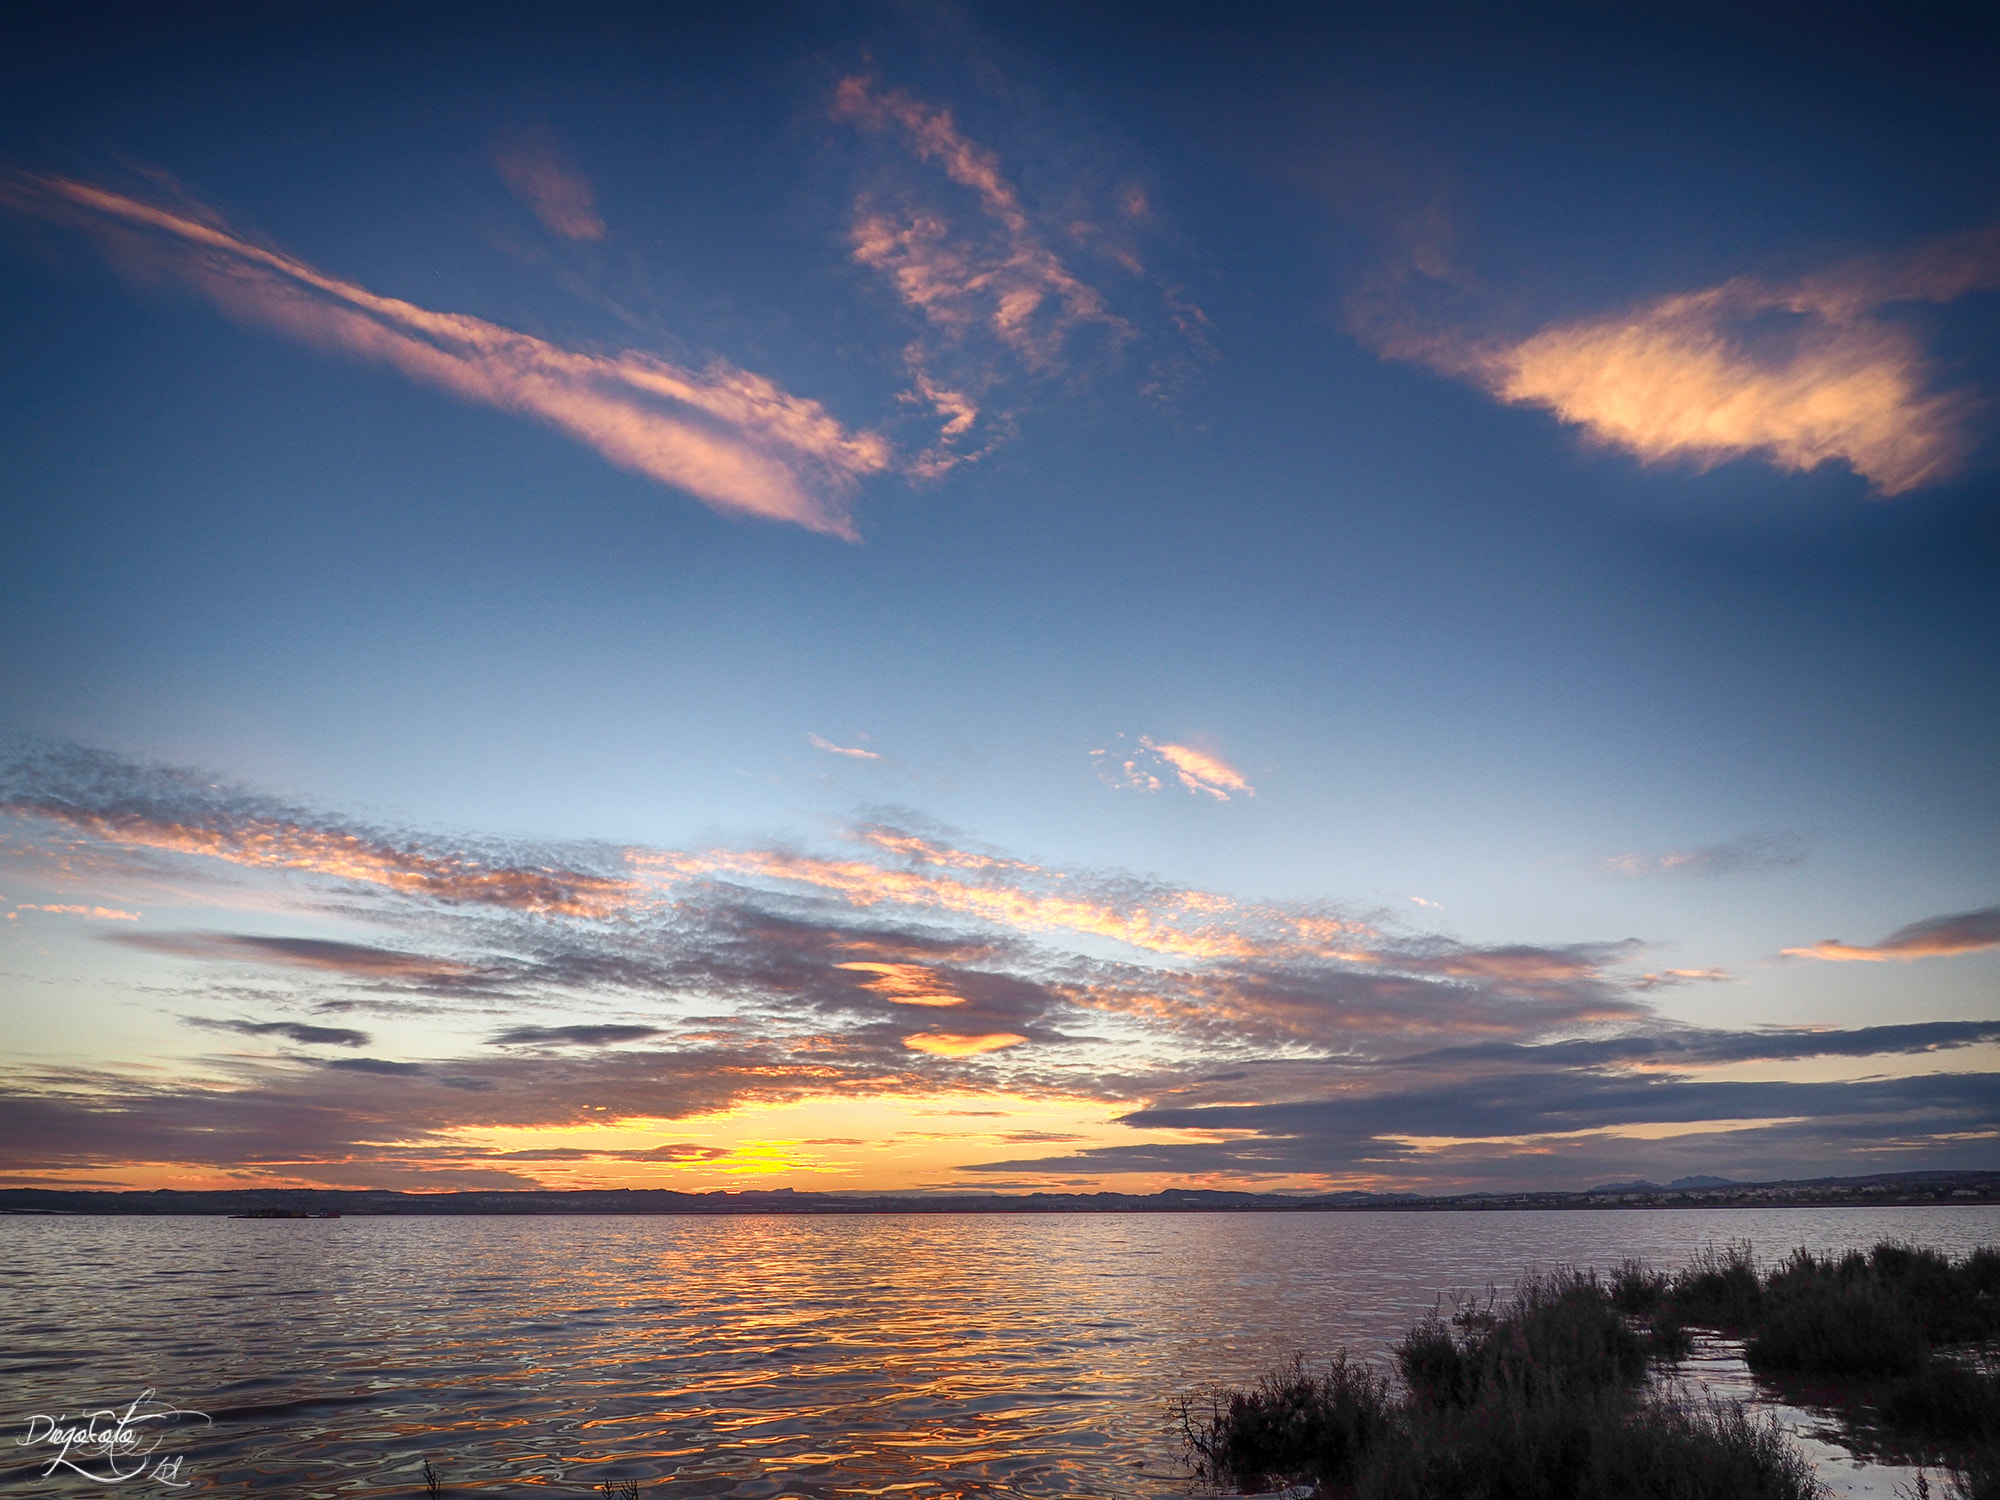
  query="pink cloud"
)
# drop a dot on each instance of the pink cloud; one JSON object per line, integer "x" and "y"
{"x": 560, "y": 198}
{"x": 734, "y": 440}
{"x": 1937, "y": 937}
{"x": 1006, "y": 282}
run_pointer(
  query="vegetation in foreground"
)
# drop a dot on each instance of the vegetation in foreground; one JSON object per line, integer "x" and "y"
{"x": 1539, "y": 1397}
{"x": 1543, "y": 1396}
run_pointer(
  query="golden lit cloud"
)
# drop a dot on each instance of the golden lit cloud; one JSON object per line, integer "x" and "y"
{"x": 906, "y": 984}
{"x": 950, "y": 1044}
{"x": 1795, "y": 373}
{"x": 1200, "y": 771}
{"x": 733, "y": 440}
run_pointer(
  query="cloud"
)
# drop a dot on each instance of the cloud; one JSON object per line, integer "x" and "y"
{"x": 1669, "y": 977}
{"x": 561, "y": 198}
{"x": 952, "y": 1044}
{"x": 1795, "y": 373}
{"x": 1752, "y": 854}
{"x": 1202, "y": 772}
{"x": 853, "y": 753}
{"x": 291, "y": 1031}
{"x": 92, "y": 913}
{"x": 1006, "y": 281}
{"x": 1935, "y": 937}
{"x": 571, "y": 1036}
{"x": 356, "y": 959}
{"x": 183, "y": 813}
{"x": 734, "y": 440}
{"x": 905, "y": 962}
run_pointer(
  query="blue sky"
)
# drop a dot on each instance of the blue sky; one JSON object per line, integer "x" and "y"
{"x": 1260, "y": 570}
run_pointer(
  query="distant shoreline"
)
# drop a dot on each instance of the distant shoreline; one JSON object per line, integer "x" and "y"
{"x": 1883, "y": 1190}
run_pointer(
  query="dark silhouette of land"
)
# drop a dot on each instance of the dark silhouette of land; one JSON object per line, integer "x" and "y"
{"x": 1957, "y": 1188}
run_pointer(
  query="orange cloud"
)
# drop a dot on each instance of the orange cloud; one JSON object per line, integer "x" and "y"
{"x": 1938, "y": 937}
{"x": 906, "y": 984}
{"x": 94, "y": 913}
{"x": 733, "y": 440}
{"x": 1201, "y": 772}
{"x": 1796, "y": 374}
{"x": 560, "y": 198}
{"x": 1014, "y": 286}
{"x": 273, "y": 844}
{"x": 949, "y": 1044}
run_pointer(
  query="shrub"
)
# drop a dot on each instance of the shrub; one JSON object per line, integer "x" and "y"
{"x": 1557, "y": 1333}
{"x": 1947, "y": 1400}
{"x": 1294, "y": 1424}
{"x": 1634, "y": 1289}
{"x": 1719, "y": 1287}
{"x": 1596, "y": 1447}
{"x": 1668, "y": 1335}
{"x": 1831, "y": 1328}
{"x": 1978, "y": 1477}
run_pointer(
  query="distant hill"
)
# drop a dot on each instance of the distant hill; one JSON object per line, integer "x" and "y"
{"x": 1942, "y": 1187}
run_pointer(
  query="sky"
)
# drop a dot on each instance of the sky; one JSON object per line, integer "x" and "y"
{"x": 935, "y": 598}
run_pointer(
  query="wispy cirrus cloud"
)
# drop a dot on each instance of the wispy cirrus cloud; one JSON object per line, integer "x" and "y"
{"x": 1006, "y": 280}
{"x": 736, "y": 441}
{"x": 852, "y": 752}
{"x": 561, "y": 197}
{"x": 1009, "y": 293}
{"x": 1797, "y": 373}
{"x": 92, "y": 913}
{"x": 1752, "y": 854}
{"x": 1934, "y": 937}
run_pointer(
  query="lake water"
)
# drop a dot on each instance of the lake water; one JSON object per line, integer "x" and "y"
{"x": 764, "y": 1357}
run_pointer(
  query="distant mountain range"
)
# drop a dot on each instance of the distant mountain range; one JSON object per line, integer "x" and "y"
{"x": 1942, "y": 1187}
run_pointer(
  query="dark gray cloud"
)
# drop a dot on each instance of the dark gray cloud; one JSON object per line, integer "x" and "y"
{"x": 570, "y": 1036}
{"x": 1845, "y": 1126}
{"x": 291, "y": 1031}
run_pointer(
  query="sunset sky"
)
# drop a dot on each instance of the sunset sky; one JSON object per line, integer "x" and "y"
{"x": 939, "y": 598}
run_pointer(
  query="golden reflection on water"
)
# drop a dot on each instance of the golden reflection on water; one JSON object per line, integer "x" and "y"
{"x": 757, "y": 1357}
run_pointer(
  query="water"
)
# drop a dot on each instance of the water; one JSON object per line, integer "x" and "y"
{"x": 762, "y": 1357}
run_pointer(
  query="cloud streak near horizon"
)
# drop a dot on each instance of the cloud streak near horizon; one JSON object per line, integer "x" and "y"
{"x": 566, "y": 990}
{"x": 736, "y": 441}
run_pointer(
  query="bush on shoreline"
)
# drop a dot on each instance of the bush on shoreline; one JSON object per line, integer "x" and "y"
{"x": 1542, "y": 1396}
{"x": 1537, "y": 1397}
